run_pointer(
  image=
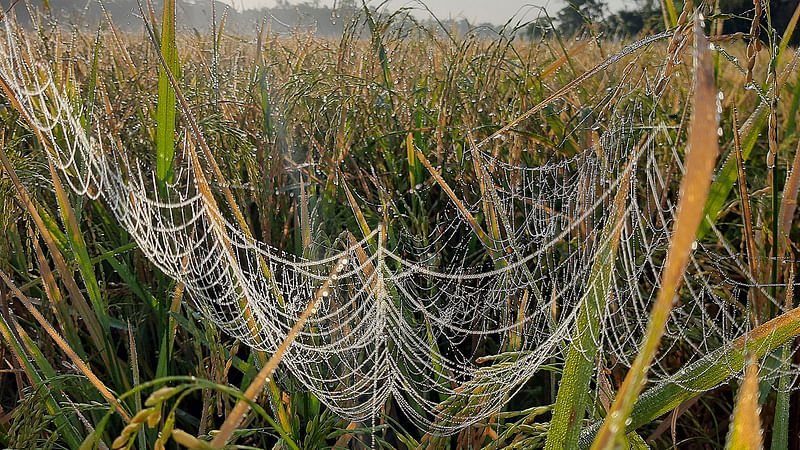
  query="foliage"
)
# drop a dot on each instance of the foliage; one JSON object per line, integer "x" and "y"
{"x": 97, "y": 339}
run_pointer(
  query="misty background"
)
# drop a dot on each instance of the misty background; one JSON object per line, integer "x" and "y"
{"x": 613, "y": 19}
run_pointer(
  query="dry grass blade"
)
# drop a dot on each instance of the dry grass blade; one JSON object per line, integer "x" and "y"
{"x": 700, "y": 160}
{"x": 201, "y": 142}
{"x": 79, "y": 249}
{"x": 214, "y": 216}
{"x": 446, "y": 188}
{"x": 367, "y": 269}
{"x": 747, "y": 216}
{"x": 560, "y": 61}
{"x": 51, "y": 288}
{"x": 85, "y": 370}
{"x": 305, "y": 219}
{"x": 362, "y": 221}
{"x": 745, "y": 432}
{"x": 789, "y": 201}
{"x": 257, "y": 385}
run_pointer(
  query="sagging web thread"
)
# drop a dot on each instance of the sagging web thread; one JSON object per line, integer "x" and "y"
{"x": 450, "y": 333}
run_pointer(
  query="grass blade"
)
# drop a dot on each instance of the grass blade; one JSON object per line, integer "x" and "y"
{"x": 573, "y": 390}
{"x": 60, "y": 309}
{"x": 780, "y": 424}
{"x": 166, "y": 108}
{"x": 707, "y": 373}
{"x": 745, "y": 432}
{"x": 65, "y": 347}
{"x": 700, "y": 159}
{"x": 70, "y": 434}
{"x": 80, "y": 251}
{"x": 479, "y": 232}
{"x": 747, "y": 216}
{"x": 67, "y": 278}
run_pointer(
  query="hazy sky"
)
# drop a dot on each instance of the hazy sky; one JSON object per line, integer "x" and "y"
{"x": 495, "y": 11}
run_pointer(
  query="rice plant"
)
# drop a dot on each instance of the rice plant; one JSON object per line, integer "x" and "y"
{"x": 402, "y": 238}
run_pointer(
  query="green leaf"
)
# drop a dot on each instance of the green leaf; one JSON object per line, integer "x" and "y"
{"x": 573, "y": 391}
{"x": 706, "y": 373}
{"x": 727, "y": 176}
{"x": 166, "y": 107}
{"x": 70, "y": 434}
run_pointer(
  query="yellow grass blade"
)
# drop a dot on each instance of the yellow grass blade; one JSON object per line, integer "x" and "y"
{"x": 701, "y": 157}
{"x": 745, "y": 432}
{"x": 443, "y": 184}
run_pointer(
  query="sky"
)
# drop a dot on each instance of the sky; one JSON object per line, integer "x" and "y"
{"x": 475, "y": 11}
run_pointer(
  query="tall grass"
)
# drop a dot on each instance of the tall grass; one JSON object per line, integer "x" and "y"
{"x": 118, "y": 358}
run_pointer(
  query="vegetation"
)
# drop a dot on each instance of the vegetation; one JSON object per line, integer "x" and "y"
{"x": 371, "y": 133}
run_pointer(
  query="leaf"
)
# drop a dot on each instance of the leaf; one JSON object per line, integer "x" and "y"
{"x": 166, "y": 108}
{"x": 65, "y": 427}
{"x": 573, "y": 391}
{"x": 727, "y": 176}
{"x": 745, "y": 431}
{"x": 701, "y": 157}
{"x": 706, "y": 373}
{"x": 780, "y": 424}
{"x": 79, "y": 250}
{"x": 65, "y": 347}
{"x": 44, "y": 230}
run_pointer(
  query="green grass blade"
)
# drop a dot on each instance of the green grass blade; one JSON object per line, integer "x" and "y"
{"x": 62, "y": 344}
{"x": 673, "y": 15}
{"x": 707, "y": 373}
{"x": 780, "y": 424}
{"x": 791, "y": 122}
{"x": 80, "y": 252}
{"x": 727, "y": 176}
{"x": 65, "y": 427}
{"x": 167, "y": 103}
{"x": 573, "y": 391}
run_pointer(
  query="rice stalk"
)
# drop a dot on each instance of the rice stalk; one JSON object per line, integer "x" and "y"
{"x": 700, "y": 159}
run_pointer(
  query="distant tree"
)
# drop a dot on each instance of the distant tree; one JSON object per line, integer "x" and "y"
{"x": 538, "y": 28}
{"x": 579, "y": 13}
{"x": 646, "y": 16}
{"x": 742, "y": 10}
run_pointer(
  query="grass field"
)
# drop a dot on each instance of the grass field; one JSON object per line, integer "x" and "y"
{"x": 403, "y": 238}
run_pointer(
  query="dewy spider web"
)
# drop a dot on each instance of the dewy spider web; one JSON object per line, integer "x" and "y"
{"x": 425, "y": 319}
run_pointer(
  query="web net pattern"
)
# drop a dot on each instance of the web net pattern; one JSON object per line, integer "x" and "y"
{"x": 426, "y": 319}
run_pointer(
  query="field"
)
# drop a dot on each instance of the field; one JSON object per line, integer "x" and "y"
{"x": 408, "y": 237}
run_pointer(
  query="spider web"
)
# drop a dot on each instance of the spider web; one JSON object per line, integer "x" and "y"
{"x": 449, "y": 325}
